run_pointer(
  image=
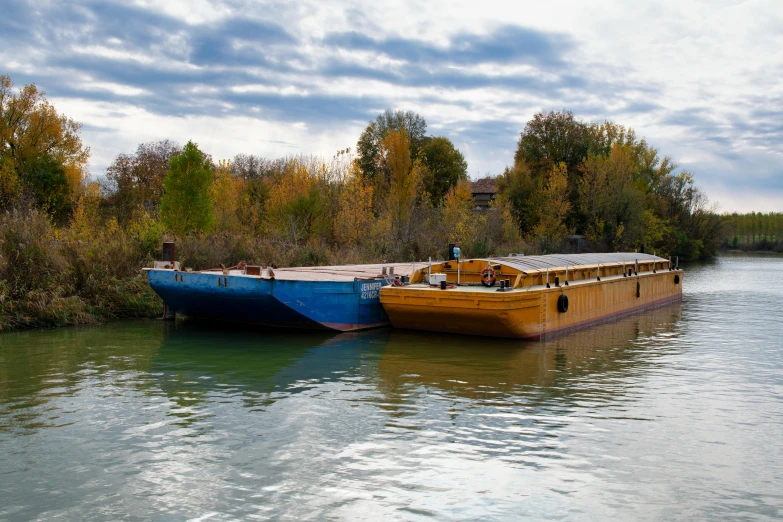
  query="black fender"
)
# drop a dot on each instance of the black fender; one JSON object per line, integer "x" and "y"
{"x": 562, "y": 303}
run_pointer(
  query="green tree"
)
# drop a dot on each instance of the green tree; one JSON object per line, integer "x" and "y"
{"x": 369, "y": 151}
{"x": 518, "y": 190}
{"x": 188, "y": 203}
{"x": 47, "y": 181}
{"x": 446, "y": 166}
{"x": 556, "y": 137}
{"x": 552, "y": 138}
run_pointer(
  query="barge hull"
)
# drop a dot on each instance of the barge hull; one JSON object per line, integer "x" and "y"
{"x": 331, "y": 305}
{"x": 531, "y": 312}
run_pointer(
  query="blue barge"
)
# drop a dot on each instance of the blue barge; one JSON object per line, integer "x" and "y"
{"x": 340, "y": 298}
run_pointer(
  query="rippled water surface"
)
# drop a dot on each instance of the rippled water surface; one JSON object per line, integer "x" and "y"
{"x": 676, "y": 413}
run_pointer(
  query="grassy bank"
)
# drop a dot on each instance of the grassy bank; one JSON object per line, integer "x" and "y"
{"x": 55, "y": 277}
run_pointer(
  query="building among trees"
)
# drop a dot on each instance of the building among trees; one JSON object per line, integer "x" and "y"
{"x": 484, "y": 191}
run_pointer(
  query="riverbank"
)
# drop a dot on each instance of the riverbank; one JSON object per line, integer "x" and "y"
{"x": 90, "y": 271}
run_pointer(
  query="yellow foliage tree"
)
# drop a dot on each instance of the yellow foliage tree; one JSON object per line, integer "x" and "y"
{"x": 463, "y": 225}
{"x": 355, "y": 213}
{"x": 85, "y": 222}
{"x": 297, "y": 207}
{"x": 402, "y": 189}
{"x": 507, "y": 225}
{"x": 612, "y": 200}
{"x": 227, "y": 191}
{"x": 9, "y": 182}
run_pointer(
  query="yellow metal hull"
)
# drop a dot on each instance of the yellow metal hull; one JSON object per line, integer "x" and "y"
{"x": 529, "y": 313}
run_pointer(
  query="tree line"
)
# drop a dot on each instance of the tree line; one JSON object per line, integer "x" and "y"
{"x": 401, "y": 195}
{"x": 71, "y": 246}
{"x": 754, "y": 231}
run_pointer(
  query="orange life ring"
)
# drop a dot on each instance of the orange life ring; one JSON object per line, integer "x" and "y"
{"x": 488, "y": 276}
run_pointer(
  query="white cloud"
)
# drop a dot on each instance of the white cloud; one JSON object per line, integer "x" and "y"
{"x": 114, "y": 128}
{"x": 699, "y": 80}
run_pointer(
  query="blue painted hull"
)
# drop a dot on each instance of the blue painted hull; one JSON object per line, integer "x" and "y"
{"x": 331, "y": 305}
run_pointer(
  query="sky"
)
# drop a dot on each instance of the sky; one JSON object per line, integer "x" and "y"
{"x": 700, "y": 81}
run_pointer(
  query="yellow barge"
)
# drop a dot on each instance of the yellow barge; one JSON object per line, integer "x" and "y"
{"x": 530, "y": 297}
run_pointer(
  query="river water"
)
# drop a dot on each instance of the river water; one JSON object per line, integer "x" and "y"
{"x": 672, "y": 414}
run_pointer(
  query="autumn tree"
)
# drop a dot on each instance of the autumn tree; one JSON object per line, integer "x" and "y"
{"x": 252, "y": 209}
{"x": 188, "y": 201}
{"x": 86, "y": 221}
{"x": 446, "y": 167}
{"x": 401, "y": 190}
{"x": 227, "y": 191}
{"x": 258, "y": 174}
{"x": 355, "y": 213}
{"x": 369, "y": 151}
{"x": 134, "y": 180}
{"x": 40, "y": 150}
{"x": 556, "y": 137}
{"x": 612, "y": 200}
{"x": 9, "y": 182}
{"x": 550, "y": 232}
{"x": 463, "y": 225}
{"x": 593, "y": 194}
{"x": 298, "y": 206}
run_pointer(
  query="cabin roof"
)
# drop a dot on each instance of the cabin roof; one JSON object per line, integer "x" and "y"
{"x": 483, "y": 186}
{"x": 551, "y": 261}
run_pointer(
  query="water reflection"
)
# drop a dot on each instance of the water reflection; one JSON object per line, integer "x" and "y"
{"x": 39, "y": 367}
{"x": 474, "y": 401}
{"x": 193, "y": 364}
{"x": 476, "y": 367}
{"x": 197, "y": 364}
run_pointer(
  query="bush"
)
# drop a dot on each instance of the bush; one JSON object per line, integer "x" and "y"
{"x": 50, "y": 277}
{"x": 29, "y": 257}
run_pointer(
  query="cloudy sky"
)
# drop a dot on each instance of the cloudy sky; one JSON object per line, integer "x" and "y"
{"x": 701, "y": 81}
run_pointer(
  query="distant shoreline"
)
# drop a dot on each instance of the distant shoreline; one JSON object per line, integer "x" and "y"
{"x": 738, "y": 251}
